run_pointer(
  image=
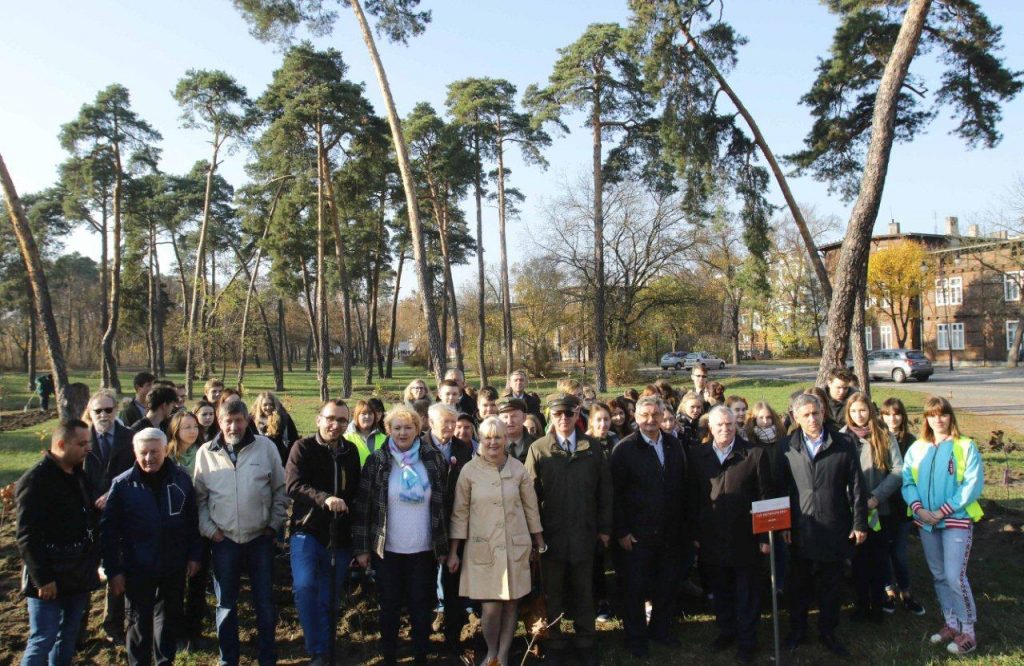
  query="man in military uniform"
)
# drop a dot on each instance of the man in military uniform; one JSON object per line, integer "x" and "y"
{"x": 512, "y": 412}
{"x": 574, "y": 490}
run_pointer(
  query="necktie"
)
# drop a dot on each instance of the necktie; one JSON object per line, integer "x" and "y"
{"x": 105, "y": 446}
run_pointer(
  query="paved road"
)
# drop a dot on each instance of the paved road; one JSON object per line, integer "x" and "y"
{"x": 992, "y": 391}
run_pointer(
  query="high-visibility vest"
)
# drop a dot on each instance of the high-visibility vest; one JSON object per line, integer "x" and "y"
{"x": 960, "y": 448}
{"x": 873, "y": 522}
{"x": 364, "y": 451}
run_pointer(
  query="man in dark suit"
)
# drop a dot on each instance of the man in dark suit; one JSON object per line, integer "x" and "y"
{"x": 512, "y": 412}
{"x": 160, "y": 404}
{"x": 574, "y": 491}
{"x": 651, "y": 524}
{"x": 457, "y": 454}
{"x": 819, "y": 468}
{"x": 516, "y": 388}
{"x": 136, "y": 408}
{"x": 729, "y": 475}
{"x": 111, "y": 454}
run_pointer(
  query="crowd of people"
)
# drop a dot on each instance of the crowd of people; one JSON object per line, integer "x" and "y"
{"x": 477, "y": 500}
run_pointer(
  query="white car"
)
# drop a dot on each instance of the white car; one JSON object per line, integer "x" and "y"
{"x": 708, "y": 359}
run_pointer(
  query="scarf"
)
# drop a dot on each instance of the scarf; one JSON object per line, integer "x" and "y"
{"x": 765, "y": 435}
{"x": 863, "y": 433}
{"x": 411, "y": 487}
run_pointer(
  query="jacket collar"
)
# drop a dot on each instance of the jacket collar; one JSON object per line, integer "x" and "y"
{"x": 217, "y": 442}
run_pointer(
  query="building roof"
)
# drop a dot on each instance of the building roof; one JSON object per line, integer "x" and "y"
{"x": 909, "y": 235}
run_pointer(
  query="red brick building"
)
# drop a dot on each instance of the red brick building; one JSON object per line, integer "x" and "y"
{"x": 976, "y": 302}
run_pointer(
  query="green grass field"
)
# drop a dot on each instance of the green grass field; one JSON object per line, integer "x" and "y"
{"x": 996, "y": 561}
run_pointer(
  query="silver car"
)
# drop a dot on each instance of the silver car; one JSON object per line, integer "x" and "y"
{"x": 708, "y": 359}
{"x": 673, "y": 359}
{"x": 899, "y": 364}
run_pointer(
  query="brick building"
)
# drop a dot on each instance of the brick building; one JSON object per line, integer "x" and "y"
{"x": 976, "y": 302}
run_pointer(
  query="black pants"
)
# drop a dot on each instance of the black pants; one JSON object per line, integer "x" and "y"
{"x": 808, "y": 580}
{"x": 410, "y": 580}
{"x": 455, "y": 617}
{"x": 650, "y": 570}
{"x": 197, "y": 606}
{"x": 737, "y": 602}
{"x": 870, "y": 571}
{"x": 568, "y": 588}
{"x": 600, "y": 571}
{"x": 154, "y": 610}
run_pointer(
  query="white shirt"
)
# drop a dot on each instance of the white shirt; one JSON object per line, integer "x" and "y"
{"x": 567, "y": 443}
{"x": 659, "y": 448}
{"x": 723, "y": 453}
{"x": 813, "y": 446}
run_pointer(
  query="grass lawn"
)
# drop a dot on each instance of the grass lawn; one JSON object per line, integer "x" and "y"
{"x": 996, "y": 561}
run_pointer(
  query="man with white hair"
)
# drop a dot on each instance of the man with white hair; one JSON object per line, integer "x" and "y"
{"x": 728, "y": 476}
{"x": 150, "y": 535}
{"x": 110, "y": 455}
{"x": 240, "y": 490}
{"x": 457, "y": 454}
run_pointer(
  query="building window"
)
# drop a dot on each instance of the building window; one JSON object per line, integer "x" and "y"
{"x": 949, "y": 291}
{"x": 885, "y": 337}
{"x": 1011, "y": 285}
{"x": 950, "y": 333}
{"x": 1011, "y": 333}
{"x": 867, "y": 338}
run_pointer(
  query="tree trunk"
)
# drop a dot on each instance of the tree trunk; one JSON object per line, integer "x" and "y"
{"x": 440, "y": 206}
{"x": 161, "y": 367}
{"x": 1013, "y": 355}
{"x": 780, "y": 176}
{"x": 600, "y": 342}
{"x": 506, "y": 299}
{"x": 109, "y": 375}
{"x": 40, "y": 289}
{"x": 346, "y": 296}
{"x": 323, "y": 340}
{"x": 394, "y": 314}
{"x": 371, "y": 319}
{"x": 481, "y": 318}
{"x": 104, "y": 277}
{"x": 151, "y": 288}
{"x": 33, "y": 341}
{"x": 409, "y": 185}
{"x": 860, "y": 353}
{"x": 248, "y": 301}
{"x": 853, "y": 257}
{"x": 281, "y": 342}
{"x": 193, "y": 311}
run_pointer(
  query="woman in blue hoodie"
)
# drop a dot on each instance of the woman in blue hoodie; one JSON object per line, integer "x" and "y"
{"x": 943, "y": 478}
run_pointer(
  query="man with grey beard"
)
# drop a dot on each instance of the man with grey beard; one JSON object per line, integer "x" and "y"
{"x": 240, "y": 493}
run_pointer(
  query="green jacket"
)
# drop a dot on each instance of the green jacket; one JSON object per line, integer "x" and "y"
{"x": 575, "y": 495}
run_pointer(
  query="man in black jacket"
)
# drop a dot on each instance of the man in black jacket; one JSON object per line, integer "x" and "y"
{"x": 322, "y": 477}
{"x": 729, "y": 475}
{"x": 820, "y": 470}
{"x": 457, "y": 454}
{"x": 58, "y": 541}
{"x": 110, "y": 455}
{"x": 516, "y": 388}
{"x": 160, "y": 404}
{"x": 650, "y": 511}
{"x": 136, "y": 407}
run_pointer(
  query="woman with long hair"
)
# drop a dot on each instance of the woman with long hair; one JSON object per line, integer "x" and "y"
{"x": 882, "y": 464}
{"x": 272, "y": 420}
{"x": 943, "y": 478}
{"x": 894, "y": 415}
{"x": 183, "y": 440}
{"x": 206, "y": 415}
{"x": 690, "y": 410}
{"x": 415, "y": 390}
{"x": 495, "y": 514}
{"x": 362, "y": 430}
{"x": 400, "y": 524}
{"x": 622, "y": 416}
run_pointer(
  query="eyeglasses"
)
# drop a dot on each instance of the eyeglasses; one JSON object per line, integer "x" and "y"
{"x": 561, "y": 414}
{"x": 340, "y": 420}
{"x": 103, "y": 410}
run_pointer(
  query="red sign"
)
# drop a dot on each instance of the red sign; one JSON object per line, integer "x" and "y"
{"x": 771, "y": 515}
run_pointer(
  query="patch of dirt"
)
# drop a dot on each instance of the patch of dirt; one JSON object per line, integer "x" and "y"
{"x": 16, "y": 420}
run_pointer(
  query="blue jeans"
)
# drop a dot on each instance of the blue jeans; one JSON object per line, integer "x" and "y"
{"x": 227, "y": 558}
{"x": 311, "y": 582}
{"x": 896, "y": 536}
{"x": 53, "y": 629}
{"x": 947, "y": 551}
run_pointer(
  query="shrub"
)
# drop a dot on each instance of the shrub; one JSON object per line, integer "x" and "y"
{"x": 542, "y": 362}
{"x": 621, "y": 366}
{"x": 418, "y": 358}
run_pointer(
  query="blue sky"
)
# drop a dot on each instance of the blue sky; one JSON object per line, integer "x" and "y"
{"x": 57, "y": 55}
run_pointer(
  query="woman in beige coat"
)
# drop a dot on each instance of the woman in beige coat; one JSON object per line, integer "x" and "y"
{"x": 495, "y": 513}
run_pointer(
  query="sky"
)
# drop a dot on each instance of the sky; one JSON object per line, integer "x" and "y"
{"x": 57, "y": 55}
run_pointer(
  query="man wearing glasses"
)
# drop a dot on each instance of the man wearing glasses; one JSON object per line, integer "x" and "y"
{"x": 111, "y": 454}
{"x": 699, "y": 375}
{"x": 575, "y": 493}
{"x": 322, "y": 478}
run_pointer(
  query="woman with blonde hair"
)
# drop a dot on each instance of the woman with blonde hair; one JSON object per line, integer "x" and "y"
{"x": 496, "y": 515}
{"x": 272, "y": 420}
{"x": 882, "y": 465}
{"x": 943, "y": 478}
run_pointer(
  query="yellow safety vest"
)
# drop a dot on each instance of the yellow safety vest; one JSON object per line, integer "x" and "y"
{"x": 960, "y": 447}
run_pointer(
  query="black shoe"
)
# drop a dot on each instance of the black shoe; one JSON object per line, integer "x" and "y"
{"x": 722, "y": 642}
{"x": 832, "y": 644}
{"x": 669, "y": 642}
{"x": 911, "y": 604}
{"x": 889, "y": 605}
{"x": 793, "y": 641}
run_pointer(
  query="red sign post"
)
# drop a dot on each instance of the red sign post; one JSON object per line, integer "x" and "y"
{"x": 771, "y": 516}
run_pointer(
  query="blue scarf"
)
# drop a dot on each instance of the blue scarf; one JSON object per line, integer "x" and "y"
{"x": 411, "y": 487}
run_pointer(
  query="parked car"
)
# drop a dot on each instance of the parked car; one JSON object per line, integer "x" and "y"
{"x": 897, "y": 365}
{"x": 673, "y": 359}
{"x": 708, "y": 359}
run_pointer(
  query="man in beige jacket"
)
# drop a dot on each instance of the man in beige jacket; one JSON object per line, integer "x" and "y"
{"x": 240, "y": 492}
